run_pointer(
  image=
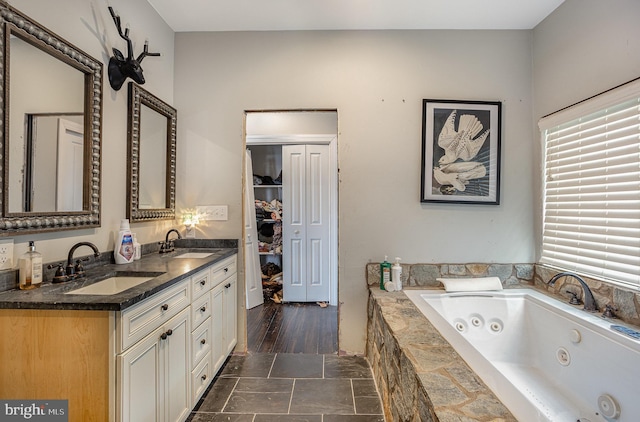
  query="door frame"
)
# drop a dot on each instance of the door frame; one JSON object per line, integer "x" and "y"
{"x": 326, "y": 139}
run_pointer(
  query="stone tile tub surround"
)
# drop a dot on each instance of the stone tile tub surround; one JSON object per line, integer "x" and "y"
{"x": 419, "y": 375}
{"x": 625, "y": 302}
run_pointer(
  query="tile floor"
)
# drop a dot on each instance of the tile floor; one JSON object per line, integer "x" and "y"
{"x": 287, "y": 387}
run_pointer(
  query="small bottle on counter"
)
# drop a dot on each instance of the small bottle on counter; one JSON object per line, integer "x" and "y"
{"x": 396, "y": 274}
{"x": 137, "y": 248}
{"x": 385, "y": 273}
{"x": 30, "y": 268}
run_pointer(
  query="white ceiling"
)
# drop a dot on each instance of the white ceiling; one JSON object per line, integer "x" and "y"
{"x": 270, "y": 15}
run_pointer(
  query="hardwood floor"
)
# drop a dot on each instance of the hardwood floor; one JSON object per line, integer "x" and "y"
{"x": 292, "y": 328}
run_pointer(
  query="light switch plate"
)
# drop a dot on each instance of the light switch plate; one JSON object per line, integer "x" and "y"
{"x": 6, "y": 254}
{"x": 213, "y": 212}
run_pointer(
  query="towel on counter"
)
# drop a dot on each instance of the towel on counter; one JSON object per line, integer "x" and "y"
{"x": 470, "y": 284}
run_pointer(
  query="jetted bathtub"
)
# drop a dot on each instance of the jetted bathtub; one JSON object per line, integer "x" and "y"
{"x": 544, "y": 359}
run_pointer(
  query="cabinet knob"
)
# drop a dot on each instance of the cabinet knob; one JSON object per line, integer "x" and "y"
{"x": 203, "y": 341}
{"x": 204, "y": 377}
{"x": 226, "y": 286}
{"x": 204, "y": 308}
{"x": 164, "y": 307}
{"x": 169, "y": 331}
{"x": 203, "y": 282}
{"x": 226, "y": 270}
{"x": 163, "y": 336}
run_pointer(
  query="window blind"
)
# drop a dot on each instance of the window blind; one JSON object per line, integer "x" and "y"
{"x": 591, "y": 189}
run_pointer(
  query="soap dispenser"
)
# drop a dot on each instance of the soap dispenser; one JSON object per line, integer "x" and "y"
{"x": 30, "y": 268}
{"x": 396, "y": 274}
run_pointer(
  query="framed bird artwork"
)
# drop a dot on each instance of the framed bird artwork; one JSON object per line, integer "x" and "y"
{"x": 461, "y": 151}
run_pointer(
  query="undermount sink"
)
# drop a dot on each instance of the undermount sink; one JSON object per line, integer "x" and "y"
{"x": 113, "y": 285}
{"x": 194, "y": 255}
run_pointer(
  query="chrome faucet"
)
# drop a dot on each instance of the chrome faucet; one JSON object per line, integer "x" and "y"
{"x": 589, "y": 301}
{"x": 167, "y": 245}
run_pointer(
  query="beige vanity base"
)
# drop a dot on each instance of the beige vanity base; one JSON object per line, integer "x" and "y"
{"x": 57, "y": 354}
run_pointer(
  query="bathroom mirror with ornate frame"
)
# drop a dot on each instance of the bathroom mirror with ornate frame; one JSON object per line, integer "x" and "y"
{"x": 50, "y": 182}
{"x": 151, "y": 157}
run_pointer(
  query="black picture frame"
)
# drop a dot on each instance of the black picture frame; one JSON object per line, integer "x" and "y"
{"x": 461, "y": 151}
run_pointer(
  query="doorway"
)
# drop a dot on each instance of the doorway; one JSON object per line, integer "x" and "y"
{"x": 291, "y": 216}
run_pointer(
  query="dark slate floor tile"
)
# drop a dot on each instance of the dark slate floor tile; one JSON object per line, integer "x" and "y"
{"x": 264, "y": 385}
{"x": 216, "y": 397}
{"x": 366, "y": 397}
{"x": 219, "y": 417}
{"x": 317, "y": 396}
{"x": 346, "y": 367}
{"x": 253, "y": 365}
{"x": 353, "y": 418}
{"x": 288, "y": 418}
{"x": 297, "y": 365}
{"x": 244, "y": 402}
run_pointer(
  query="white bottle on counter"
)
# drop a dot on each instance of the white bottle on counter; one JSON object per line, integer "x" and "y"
{"x": 123, "y": 250}
{"x": 396, "y": 274}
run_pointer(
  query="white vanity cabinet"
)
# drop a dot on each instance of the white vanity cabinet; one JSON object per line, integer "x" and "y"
{"x": 154, "y": 358}
{"x": 213, "y": 311}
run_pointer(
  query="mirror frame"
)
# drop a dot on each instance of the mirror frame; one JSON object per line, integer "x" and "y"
{"x": 14, "y": 22}
{"x": 138, "y": 97}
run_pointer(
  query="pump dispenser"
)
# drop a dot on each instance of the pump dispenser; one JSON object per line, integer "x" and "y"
{"x": 385, "y": 273}
{"x": 30, "y": 268}
{"x": 396, "y": 274}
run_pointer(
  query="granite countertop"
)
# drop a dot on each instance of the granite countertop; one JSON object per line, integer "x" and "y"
{"x": 52, "y": 296}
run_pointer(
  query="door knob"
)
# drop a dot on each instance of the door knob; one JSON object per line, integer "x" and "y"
{"x": 296, "y": 231}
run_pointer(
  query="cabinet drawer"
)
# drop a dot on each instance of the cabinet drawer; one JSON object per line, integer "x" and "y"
{"x": 223, "y": 269}
{"x": 201, "y": 342}
{"x": 201, "y": 376}
{"x": 200, "y": 310}
{"x": 139, "y": 320}
{"x": 200, "y": 284}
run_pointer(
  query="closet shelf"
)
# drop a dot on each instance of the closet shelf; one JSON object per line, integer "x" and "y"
{"x": 267, "y": 186}
{"x": 270, "y": 253}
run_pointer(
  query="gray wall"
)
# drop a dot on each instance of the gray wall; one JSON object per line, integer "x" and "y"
{"x": 376, "y": 80}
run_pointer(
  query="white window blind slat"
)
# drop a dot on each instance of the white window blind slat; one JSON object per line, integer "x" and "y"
{"x": 591, "y": 218}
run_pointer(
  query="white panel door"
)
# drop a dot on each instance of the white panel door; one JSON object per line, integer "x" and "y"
{"x": 252, "y": 272}
{"x": 318, "y": 227}
{"x": 293, "y": 223}
{"x": 306, "y": 223}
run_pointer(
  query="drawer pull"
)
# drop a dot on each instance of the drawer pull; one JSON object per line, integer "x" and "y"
{"x": 204, "y": 308}
{"x": 203, "y": 282}
{"x": 226, "y": 286}
{"x": 204, "y": 377}
{"x": 203, "y": 341}
{"x": 164, "y": 307}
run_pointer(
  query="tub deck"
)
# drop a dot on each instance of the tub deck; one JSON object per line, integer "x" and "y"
{"x": 419, "y": 374}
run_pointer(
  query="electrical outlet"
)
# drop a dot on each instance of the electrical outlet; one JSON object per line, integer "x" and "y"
{"x": 213, "y": 212}
{"x": 6, "y": 254}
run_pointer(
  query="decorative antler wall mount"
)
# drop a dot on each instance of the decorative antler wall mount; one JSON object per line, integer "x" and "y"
{"x": 121, "y": 68}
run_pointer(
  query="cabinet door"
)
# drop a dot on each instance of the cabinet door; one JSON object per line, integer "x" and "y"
{"x": 139, "y": 388}
{"x": 230, "y": 315}
{"x": 218, "y": 348}
{"x": 177, "y": 367}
